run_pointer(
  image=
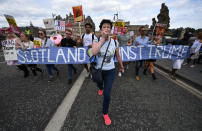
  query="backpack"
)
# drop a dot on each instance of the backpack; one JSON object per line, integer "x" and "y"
{"x": 84, "y": 35}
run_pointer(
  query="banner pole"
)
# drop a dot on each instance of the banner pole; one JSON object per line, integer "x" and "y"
{"x": 153, "y": 31}
{"x": 79, "y": 28}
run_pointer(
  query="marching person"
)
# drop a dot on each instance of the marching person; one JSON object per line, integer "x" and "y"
{"x": 142, "y": 39}
{"x": 46, "y": 42}
{"x": 124, "y": 40}
{"x": 28, "y": 44}
{"x": 99, "y": 48}
{"x": 69, "y": 42}
{"x": 87, "y": 41}
{"x": 18, "y": 45}
{"x": 178, "y": 63}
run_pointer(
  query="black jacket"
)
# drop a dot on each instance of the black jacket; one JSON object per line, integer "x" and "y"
{"x": 68, "y": 42}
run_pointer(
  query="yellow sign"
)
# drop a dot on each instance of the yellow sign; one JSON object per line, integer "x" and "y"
{"x": 12, "y": 23}
{"x": 37, "y": 43}
{"x": 119, "y": 24}
{"x": 11, "y": 20}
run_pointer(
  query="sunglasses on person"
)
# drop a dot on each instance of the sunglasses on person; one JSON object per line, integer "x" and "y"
{"x": 68, "y": 33}
{"x": 40, "y": 33}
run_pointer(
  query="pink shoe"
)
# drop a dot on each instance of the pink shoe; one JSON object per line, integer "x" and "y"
{"x": 107, "y": 119}
{"x": 100, "y": 92}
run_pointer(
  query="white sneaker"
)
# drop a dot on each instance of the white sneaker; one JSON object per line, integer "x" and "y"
{"x": 192, "y": 66}
{"x": 123, "y": 71}
{"x": 119, "y": 74}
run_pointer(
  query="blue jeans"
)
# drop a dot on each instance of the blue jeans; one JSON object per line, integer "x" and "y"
{"x": 108, "y": 79}
{"x": 49, "y": 68}
{"x": 138, "y": 65}
{"x": 70, "y": 68}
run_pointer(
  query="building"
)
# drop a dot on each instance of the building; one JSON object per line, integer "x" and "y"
{"x": 135, "y": 28}
{"x": 79, "y": 28}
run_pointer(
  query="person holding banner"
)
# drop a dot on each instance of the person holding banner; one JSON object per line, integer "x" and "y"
{"x": 149, "y": 63}
{"x": 87, "y": 40}
{"x": 105, "y": 49}
{"x": 195, "y": 48}
{"x": 47, "y": 43}
{"x": 140, "y": 40}
{"x": 11, "y": 37}
{"x": 69, "y": 42}
{"x": 124, "y": 40}
{"x": 27, "y": 44}
{"x": 177, "y": 64}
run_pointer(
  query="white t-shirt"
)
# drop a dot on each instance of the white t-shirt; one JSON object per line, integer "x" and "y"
{"x": 48, "y": 43}
{"x": 109, "y": 59}
{"x": 87, "y": 39}
{"x": 196, "y": 46}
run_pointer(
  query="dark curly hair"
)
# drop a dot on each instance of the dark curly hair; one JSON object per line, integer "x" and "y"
{"x": 105, "y": 21}
{"x": 88, "y": 25}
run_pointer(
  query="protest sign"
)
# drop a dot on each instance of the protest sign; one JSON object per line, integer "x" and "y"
{"x": 78, "y": 13}
{"x": 37, "y": 42}
{"x": 49, "y": 23}
{"x": 10, "y": 53}
{"x": 12, "y": 23}
{"x": 59, "y": 25}
{"x": 118, "y": 27}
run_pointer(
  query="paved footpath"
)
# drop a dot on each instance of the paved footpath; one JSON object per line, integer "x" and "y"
{"x": 190, "y": 75}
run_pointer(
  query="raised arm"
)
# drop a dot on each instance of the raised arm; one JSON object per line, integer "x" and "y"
{"x": 97, "y": 45}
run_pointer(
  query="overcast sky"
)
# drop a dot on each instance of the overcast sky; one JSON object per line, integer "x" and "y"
{"x": 183, "y": 13}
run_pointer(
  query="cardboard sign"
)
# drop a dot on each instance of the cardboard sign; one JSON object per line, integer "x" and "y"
{"x": 49, "y": 23}
{"x": 119, "y": 24}
{"x": 78, "y": 13}
{"x": 12, "y": 23}
{"x": 60, "y": 25}
{"x": 118, "y": 28}
{"x": 160, "y": 29}
{"x": 10, "y": 53}
{"x": 69, "y": 26}
{"x": 37, "y": 42}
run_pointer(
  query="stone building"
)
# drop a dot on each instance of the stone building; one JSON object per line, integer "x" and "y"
{"x": 76, "y": 30}
{"x": 135, "y": 28}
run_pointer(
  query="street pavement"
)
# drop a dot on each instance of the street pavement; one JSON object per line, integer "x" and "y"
{"x": 28, "y": 104}
{"x": 145, "y": 105}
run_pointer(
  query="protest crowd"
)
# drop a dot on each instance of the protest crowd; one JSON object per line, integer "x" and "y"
{"x": 105, "y": 49}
